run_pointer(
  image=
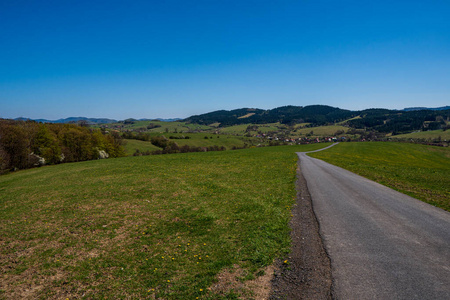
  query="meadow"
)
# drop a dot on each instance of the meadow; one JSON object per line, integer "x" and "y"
{"x": 194, "y": 140}
{"x": 322, "y": 130}
{"x": 177, "y": 226}
{"x": 426, "y": 135}
{"x": 420, "y": 171}
{"x": 180, "y": 226}
{"x": 130, "y": 146}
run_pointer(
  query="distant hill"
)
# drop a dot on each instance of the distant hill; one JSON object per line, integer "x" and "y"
{"x": 379, "y": 120}
{"x": 162, "y": 120}
{"x": 316, "y": 114}
{"x": 90, "y": 120}
{"x": 73, "y": 120}
{"x": 426, "y": 108}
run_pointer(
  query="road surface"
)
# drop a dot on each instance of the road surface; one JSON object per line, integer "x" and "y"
{"x": 382, "y": 244}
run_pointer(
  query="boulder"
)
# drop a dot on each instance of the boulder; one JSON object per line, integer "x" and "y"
{"x": 102, "y": 154}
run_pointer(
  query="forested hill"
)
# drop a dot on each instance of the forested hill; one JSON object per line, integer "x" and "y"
{"x": 381, "y": 120}
{"x": 316, "y": 114}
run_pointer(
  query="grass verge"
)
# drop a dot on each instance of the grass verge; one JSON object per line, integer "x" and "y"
{"x": 146, "y": 227}
{"x": 420, "y": 171}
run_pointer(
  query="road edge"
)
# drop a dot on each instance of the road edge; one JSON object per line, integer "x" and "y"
{"x": 306, "y": 272}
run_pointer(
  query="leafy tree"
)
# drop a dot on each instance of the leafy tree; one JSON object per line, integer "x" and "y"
{"x": 46, "y": 145}
{"x": 14, "y": 146}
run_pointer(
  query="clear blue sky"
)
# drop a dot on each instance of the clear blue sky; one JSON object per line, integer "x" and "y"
{"x": 158, "y": 58}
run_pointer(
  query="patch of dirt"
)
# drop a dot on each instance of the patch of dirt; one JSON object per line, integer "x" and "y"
{"x": 257, "y": 289}
{"x": 306, "y": 272}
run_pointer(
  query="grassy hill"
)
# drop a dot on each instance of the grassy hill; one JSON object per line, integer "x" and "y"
{"x": 426, "y": 135}
{"x": 132, "y": 145}
{"x": 158, "y": 226}
{"x": 229, "y": 142}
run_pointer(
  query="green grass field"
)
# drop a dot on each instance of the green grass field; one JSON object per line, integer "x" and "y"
{"x": 322, "y": 130}
{"x": 241, "y": 129}
{"x": 209, "y": 139}
{"x": 420, "y": 171}
{"x": 427, "y": 135}
{"x": 195, "y": 140}
{"x": 132, "y": 145}
{"x": 160, "y": 227}
{"x": 235, "y": 129}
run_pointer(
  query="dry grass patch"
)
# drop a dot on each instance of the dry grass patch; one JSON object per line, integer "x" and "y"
{"x": 233, "y": 282}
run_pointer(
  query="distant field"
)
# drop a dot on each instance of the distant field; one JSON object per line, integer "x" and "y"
{"x": 152, "y": 227}
{"x": 235, "y": 129}
{"x": 420, "y": 171}
{"x": 322, "y": 130}
{"x": 195, "y": 140}
{"x": 206, "y": 140}
{"x": 241, "y": 129}
{"x": 132, "y": 145}
{"x": 268, "y": 128}
{"x": 345, "y": 121}
{"x": 164, "y": 126}
{"x": 428, "y": 135}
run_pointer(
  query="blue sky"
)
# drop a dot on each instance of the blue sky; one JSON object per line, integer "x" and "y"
{"x": 149, "y": 59}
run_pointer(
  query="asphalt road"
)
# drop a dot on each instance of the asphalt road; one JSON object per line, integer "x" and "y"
{"x": 382, "y": 244}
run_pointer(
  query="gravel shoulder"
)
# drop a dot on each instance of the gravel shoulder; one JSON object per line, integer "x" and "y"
{"x": 307, "y": 272}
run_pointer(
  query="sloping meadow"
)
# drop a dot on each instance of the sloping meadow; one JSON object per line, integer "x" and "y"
{"x": 146, "y": 227}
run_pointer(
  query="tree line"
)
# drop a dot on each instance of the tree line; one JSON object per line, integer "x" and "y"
{"x": 26, "y": 144}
